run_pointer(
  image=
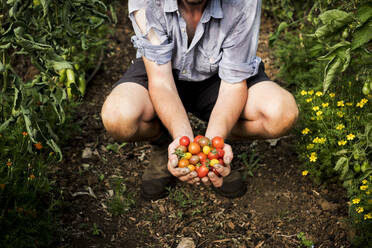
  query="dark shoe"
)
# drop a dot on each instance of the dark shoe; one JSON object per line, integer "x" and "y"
{"x": 233, "y": 186}
{"x": 156, "y": 177}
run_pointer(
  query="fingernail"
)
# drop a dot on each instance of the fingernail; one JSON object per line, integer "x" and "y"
{"x": 194, "y": 174}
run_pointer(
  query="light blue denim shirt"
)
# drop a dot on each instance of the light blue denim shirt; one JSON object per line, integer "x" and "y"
{"x": 225, "y": 40}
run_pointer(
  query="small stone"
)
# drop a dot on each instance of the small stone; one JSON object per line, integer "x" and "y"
{"x": 326, "y": 205}
{"x": 186, "y": 243}
{"x": 87, "y": 153}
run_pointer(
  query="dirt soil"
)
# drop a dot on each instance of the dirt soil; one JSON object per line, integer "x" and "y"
{"x": 280, "y": 202}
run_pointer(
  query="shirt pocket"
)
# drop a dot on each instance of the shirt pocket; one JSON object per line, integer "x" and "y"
{"x": 206, "y": 63}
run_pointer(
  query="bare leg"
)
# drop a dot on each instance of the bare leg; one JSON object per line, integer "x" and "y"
{"x": 128, "y": 114}
{"x": 270, "y": 112}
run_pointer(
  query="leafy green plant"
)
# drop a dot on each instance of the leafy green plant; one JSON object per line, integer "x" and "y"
{"x": 122, "y": 200}
{"x": 251, "y": 163}
{"x": 96, "y": 231}
{"x": 304, "y": 241}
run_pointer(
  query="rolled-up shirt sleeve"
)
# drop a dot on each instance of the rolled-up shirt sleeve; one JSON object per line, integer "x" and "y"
{"x": 239, "y": 61}
{"x": 154, "y": 25}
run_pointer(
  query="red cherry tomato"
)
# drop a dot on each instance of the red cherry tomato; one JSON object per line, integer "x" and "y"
{"x": 221, "y": 162}
{"x": 202, "y": 171}
{"x": 197, "y": 138}
{"x": 217, "y": 142}
{"x": 194, "y": 148}
{"x": 213, "y": 154}
{"x": 184, "y": 141}
{"x": 220, "y": 152}
{"x": 202, "y": 156}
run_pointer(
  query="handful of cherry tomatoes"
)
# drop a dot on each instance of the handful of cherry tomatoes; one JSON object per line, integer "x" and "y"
{"x": 201, "y": 154}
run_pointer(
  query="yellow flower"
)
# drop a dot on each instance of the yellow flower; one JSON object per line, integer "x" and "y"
{"x": 340, "y": 113}
{"x": 356, "y": 201}
{"x": 342, "y": 142}
{"x": 340, "y": 104}
{"x": 368, "y": 216}
{"x": 315, "y": 108}
{"x": 368, "y": 192}
{"x": 9, "y": 163}
{"x": 313, "y": 157}
{"x": 305, "y": 131}
{"x": 305, "y": 172}
{"x": 38, "y": 145}
{"x": 362, "y": 103}
{"x": 322, "y": 140}
{"x": 31, "y": 177}
{"x": 349, "y": 104}
{"x": 310, "y": 92}
{"x": 319, "y": 113}
{"x": 332, "y": 95}
{"x": 24, "y": 134}
{"x": 309, "y": 99}
{"x": 359, "y": 210}
{"x": 316, "y": 140}
{"x": 350, "y": 136}
{"x": 340, "y": 126}
{"x": 318, "y": 93}
{"x": 364, "y": 181}
{"x": 303, "y": 93}
{"x": 324, "y": 105}
{"x": 310, "y": 146}
{"x": 363, "y": 187}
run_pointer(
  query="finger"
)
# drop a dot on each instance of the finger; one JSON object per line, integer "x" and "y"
{"x": 195, "y": 180}
{"x": 223, "y": 170}
{"x": 215, "y": 180}
{"x": 206, "y": 181}
{"x": 188, "y": 177}
{"x": 228, "y": 157}
{"x": 177, "y": 172}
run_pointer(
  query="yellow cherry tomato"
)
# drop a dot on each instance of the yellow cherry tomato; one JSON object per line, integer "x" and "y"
{"x": 191, "y": 167}
{"x": 187, "y": 155}
{"x": 213, "y": 162}
{"x": 206, "y": 150}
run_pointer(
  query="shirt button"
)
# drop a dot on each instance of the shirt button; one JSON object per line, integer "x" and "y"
{"x": 183, "y": 30}
{"x": 184, "y": 72}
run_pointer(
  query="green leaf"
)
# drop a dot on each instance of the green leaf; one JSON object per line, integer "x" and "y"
{"x": 2, "y": 67}
{"x": 364, "y": 13}
{"x": 341, "y": 162}
{"x": 28, "y": 123}
{"x": 113, "y": 14}
{"x": 334, "y": 50}
{"x": 45, "y": 5}
{"x": 5, "y": 125}
{"x": 362, "y": 35}
{"x": 335, "y": 17}
{"x": 55, "y": 148}
{"x": 344, "y": 170}
{"x": 275, "y": 36}
{"x": 330, "y": 71}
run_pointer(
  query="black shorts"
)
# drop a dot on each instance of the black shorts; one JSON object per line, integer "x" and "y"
{"x": 198, "y": 98}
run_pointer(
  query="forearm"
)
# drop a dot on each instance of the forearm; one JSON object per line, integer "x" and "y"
{"x": 170, "y": 110}
{"x": 166, "y": 101}
{"x": 228, "y": 108}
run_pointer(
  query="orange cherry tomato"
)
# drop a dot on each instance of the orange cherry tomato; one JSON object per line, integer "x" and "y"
{"x": 194, "y": 148}
{"x": 183, "y": 163}
{"x": 191, "y": 167}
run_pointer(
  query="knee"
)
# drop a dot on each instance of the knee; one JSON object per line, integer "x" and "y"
{"x": 281, "y": 116}
{"x": 119, "y": 121}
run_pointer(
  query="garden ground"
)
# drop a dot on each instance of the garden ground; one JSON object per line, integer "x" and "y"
{"x": 280, "y": 202}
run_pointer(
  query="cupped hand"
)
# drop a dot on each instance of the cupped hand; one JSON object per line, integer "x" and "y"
{"x": 183, "y": 174}
{"x": 224, "y": 171}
